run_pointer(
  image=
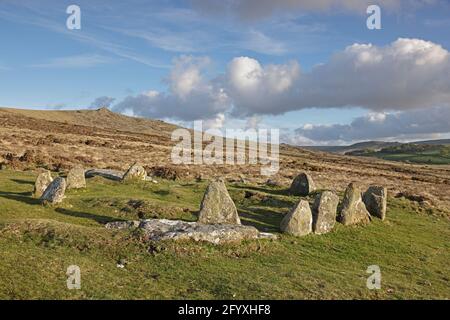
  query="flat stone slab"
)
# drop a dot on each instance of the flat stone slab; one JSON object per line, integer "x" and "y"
{"x": 163, "y": 229}
{"x": 111, "y": 174}
{"x": 105, "y": 173}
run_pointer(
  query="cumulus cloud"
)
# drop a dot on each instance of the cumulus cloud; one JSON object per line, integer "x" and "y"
{"x": 190, "y": 95}
{"x": 102, "y": 102}
{"x": 260, "y": 90}
{"x": 258, "y": 9}
{"x": 408, "y": 74}
{"x": 403, "y": 125}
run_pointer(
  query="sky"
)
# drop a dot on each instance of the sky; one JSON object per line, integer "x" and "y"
{"x": 310, "y": 68}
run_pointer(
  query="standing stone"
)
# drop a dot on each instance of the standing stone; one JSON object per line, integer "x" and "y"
{"x": 302, "y": 185}
{"x": 76, "y": 179}
{"x": 375, "y": 199}
{"x": 55, "y": 192}
{"x": 324, "y": 212}
{"x": 298, "y": 222}
{"x": 135, "y": 173}
{"x": 353, "y": 210}
{"x": 217, "y": 205}
{"x": 42, "y": 182}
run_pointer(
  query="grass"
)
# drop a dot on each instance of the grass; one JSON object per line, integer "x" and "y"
{"x": 420, "y": 154}
{"x": 38, "y": 243}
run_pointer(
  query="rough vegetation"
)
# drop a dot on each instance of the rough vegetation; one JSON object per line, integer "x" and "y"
{"x": 58, "y": 140}
{"x": 38, "y": 242}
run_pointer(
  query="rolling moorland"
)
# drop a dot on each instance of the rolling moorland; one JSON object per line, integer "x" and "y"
{"x": 420, "y": 152}
{"x": 38, "y": 243}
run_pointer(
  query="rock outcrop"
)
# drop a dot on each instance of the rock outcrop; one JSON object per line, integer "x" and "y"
{"x": 43, "y": 180}
{"x": 135, "y": 173}
{"x": 162, "y": 229}
{"x": 75, "y": 178}
{"x": 298, "y": 222}
{"x": 54, "y": 193}
{"x": 353, "y": 209}
{"x": 375, "y": 199}
{"x": 217, "y": 205}
{"x": 302, "y": 185}
{"x": 324, "y": 212}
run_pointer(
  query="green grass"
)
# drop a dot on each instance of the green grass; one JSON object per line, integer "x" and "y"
{"x": 421, "y": 154}
{"x": 38, "y": 243}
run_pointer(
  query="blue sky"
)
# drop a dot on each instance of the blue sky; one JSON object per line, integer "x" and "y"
{"x": 186, "y": 60}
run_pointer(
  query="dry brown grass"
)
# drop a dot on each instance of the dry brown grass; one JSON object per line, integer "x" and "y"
{"x": 99, "y": 138}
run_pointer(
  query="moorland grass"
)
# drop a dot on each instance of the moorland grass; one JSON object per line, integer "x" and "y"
{"x": 38, "y": 243}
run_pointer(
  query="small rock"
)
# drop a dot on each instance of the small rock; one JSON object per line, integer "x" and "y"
{"x": 273, "y": 183}
{"x": 135, "y": 173}
{"x": 55, "y": 192}
{"x": 302, "y": 185}
{"x": 76, "y": 179}
{"x": 217, "y": 205}
{"x": 242, "y": 179}
{"x": 43, "y": 180}
{"x": 324, "y": 212}
{"x": 375, "y": 199}
{"x": 298, "y": 221}
{"x": 353, "y": 210}
{"x": 122, "y": 224}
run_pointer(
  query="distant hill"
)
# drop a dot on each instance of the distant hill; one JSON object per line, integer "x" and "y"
{"x": 423, "y": 152}
{"x": 373, "y": 145}
{"x": 433, "y": 142}
{"x": 99, "y": 118}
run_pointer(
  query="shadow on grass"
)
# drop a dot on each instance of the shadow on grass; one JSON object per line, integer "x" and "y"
{"x": 162, "y": 192}
{"x": 262, "y": 219}
{"x": 20, "y": 181}
{"x": 277, "y": 192}
{"x": 24, "y": 197}
{"x": 95, "y": 217}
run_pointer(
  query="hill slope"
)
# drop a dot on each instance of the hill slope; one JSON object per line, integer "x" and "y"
{"x": 102, "y": 139}
{"x": 39, "y": 242}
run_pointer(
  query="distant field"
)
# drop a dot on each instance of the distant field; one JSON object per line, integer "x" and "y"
{"x": 38, "y": 243}
{"x": 422, "y": 154}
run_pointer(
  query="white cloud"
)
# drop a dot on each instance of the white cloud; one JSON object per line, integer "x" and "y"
{"x": 401, "y": 125}
{"x": 77, "y": 61}
{"x": 102, "y": 102}
{"x": 190, "y": 95}
{"x": 185, "y": 76}
{"x": 259, "y": 90}
{"x": 216, "y": 123}
{"x": 408, "y": 74}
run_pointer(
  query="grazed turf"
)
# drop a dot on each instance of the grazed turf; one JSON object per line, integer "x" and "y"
{"x": 38, "y": 243}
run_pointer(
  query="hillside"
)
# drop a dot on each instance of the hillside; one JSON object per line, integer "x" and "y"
{"x": 420, "y": 152}
{"x": 375, "y": 145}
{"x": 433, "y": 153}
{"x": 58, "y": 140}
{"x": 38, "y": 242}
